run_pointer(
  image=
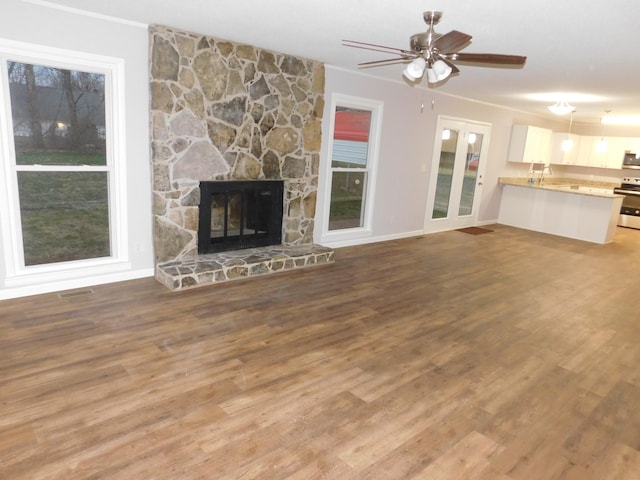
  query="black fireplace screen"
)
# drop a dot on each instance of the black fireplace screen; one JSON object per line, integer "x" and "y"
{"x": 240, "y": 214}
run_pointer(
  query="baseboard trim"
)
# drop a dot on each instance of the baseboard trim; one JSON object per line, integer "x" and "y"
{"x": 57, "y": 286}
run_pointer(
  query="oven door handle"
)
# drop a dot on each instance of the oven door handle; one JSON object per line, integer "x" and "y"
{"x": 622, "y": 191}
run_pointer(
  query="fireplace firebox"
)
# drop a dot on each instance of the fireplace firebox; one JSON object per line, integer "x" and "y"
{"x": 235, "y": 215}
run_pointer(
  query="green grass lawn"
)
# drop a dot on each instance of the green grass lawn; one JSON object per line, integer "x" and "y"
{"x": 345, "y": 207}
{"x": 345, "y": 210}
{"x": 59, "y": 157}
{"x": 65, "y": 215}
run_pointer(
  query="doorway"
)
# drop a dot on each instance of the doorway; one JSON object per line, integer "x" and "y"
{"x": 456, "y": 180}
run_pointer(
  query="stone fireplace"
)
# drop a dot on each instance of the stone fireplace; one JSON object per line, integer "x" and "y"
{"x": 222, "y": 111}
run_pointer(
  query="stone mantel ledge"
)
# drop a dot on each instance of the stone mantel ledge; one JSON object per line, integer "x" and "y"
{"x": 227, "y": 266}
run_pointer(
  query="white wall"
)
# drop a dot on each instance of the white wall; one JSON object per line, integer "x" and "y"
{"x": 40, "y": 25}
{"x": 407, "y": 144}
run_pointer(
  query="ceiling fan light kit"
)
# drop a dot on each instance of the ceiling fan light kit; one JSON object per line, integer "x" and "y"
{"x": 415, "y": 69}
{"x": 434, "y": 52}
{"x": 438, "y": 71}
{"x": 432, "y": 76}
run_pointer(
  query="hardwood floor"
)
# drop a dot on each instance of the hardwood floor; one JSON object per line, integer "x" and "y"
{"x": 509, "y": 355}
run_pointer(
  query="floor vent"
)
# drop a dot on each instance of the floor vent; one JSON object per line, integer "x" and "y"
{"x": 75, "y": 293}
{"x": 474, "y": 230}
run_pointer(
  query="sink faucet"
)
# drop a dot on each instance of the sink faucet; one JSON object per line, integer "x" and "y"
{"x": 538, "y": 169}
{"x": 545, "y": 168}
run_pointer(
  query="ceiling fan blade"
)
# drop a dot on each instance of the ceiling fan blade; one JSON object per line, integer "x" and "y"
{"x": 375, "y": 48}
{"x": 452, "y": 41}
{"x": 387, "y": 61}
{"x": 400, "y": 54}
{"x": 487, "y": 58}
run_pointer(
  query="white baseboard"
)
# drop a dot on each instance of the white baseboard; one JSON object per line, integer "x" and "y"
{"x": 57, "y": 286}
{"x": 363, "y": 241}
{"x": 385, "y": 238}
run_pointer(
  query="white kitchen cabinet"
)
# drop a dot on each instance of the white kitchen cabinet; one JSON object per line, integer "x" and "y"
{"x": 539, "y": 145}
{"x": 530, "y": 144}
{"x": 564, "y": 157}
{"x": 567, "y": 213}
{"x": 632, "y": 144}
{"x": 585, "y": 147}
{"x": 616, "y": 147}
{"x": 593, "y": 153}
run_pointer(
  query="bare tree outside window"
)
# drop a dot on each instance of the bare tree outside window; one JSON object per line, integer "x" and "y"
{"x": 34, "y": 112}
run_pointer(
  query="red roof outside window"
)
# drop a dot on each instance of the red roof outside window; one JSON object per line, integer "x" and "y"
{"x": 353, "y": 126}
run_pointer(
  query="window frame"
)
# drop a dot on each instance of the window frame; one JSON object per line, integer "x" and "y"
{"x": 16, "y": 273}
{"x": 376, "y": 108}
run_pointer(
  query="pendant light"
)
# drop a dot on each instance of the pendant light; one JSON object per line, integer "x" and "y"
{"x": 602, "y": 144}
{"x": 567, "y": 144}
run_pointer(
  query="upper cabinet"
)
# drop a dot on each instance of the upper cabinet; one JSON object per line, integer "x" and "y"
{"x": 530, "y": 144}
{"x": 564, "y": 149}
{"x": 606, "y": 152}
{"x": 539, "y": 145}
{"x": 589, "y": 151}
{"x": 632, "y": 145}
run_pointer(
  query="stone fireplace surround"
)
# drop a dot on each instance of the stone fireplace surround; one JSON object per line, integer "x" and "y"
{"x": 227, "y": 111}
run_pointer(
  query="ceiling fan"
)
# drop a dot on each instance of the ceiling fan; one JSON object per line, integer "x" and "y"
{"x": 435, "y": 53}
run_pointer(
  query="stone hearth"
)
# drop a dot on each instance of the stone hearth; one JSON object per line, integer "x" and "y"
{"x": 250, "y": 262}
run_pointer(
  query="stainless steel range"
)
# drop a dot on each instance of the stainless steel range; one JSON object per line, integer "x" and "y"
{"x": 630, "y": 211}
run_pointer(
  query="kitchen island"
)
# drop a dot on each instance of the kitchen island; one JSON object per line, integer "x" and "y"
{"x": 569, "y": 208}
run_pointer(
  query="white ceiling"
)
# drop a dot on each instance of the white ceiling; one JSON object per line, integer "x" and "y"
{"x": 573, "y": 47}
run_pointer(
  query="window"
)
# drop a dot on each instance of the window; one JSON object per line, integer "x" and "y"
{"x": 353, "y": 155}
{"x": 60, "y": 147}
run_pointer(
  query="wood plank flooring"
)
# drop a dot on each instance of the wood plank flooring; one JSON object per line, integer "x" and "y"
{"x": 507, "y": 356}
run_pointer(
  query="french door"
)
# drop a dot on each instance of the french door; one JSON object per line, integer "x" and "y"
{"x": 457, "y": 174}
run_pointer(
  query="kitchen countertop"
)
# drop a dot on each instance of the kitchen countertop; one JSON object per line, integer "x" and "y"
{"x": 566, "y": 185}
{"x": 578, "y": 209}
